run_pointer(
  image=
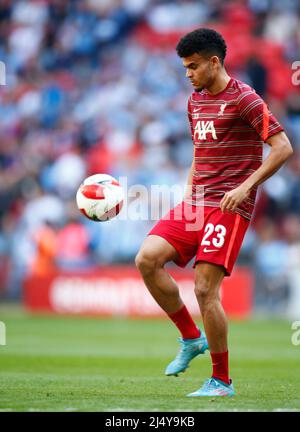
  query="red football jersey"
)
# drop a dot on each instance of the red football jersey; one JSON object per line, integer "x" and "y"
{"x": 228, "y": 131}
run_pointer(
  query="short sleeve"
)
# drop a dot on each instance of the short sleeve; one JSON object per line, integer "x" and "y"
{"x": 189, "y": 110}
{"x": 256, "y": 113}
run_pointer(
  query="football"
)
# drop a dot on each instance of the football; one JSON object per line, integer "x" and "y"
{"x": 100, "y": 197}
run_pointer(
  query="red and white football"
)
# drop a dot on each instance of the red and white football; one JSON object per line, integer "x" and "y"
{"x": 100, "y": 197}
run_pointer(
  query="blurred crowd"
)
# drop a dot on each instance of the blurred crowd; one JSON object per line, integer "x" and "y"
{"x": 95, "y": 86}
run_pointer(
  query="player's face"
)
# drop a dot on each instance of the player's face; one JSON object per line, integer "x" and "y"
{"x": 200, "y": 70}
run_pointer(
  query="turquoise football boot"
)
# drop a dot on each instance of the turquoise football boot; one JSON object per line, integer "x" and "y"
{"x": 189, "y": 349}
{"x": 214, "y": 387}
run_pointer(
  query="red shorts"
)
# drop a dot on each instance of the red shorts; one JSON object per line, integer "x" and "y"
{"x": 204, "y": 232}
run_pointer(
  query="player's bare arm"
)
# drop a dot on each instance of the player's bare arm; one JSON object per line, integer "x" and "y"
{"x": 281, "y": 150}
{"x": 189, "y": 185}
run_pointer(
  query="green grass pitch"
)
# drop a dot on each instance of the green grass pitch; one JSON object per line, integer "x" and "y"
{"x": 88, "y": 364}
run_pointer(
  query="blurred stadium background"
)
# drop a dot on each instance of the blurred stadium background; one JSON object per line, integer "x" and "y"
{"x": 96, "y": 86}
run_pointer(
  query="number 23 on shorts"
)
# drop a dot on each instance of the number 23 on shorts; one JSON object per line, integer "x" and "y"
{"x": 214, "y": 237}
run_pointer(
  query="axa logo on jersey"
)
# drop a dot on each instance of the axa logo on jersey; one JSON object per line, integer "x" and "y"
{"x": 203, "y": 128}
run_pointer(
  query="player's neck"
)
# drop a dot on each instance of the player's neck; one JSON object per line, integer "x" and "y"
{"x": 219, "y": 84}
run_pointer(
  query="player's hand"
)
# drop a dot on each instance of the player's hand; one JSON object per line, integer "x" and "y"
{"x": 232, "y": 199}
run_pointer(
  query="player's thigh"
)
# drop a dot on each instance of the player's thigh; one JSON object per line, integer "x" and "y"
{"x": 208, "y": 279}
{"x": 156, "y": 248}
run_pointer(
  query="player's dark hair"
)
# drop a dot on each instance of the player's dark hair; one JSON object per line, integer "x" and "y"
{"x": 204, "y": 41}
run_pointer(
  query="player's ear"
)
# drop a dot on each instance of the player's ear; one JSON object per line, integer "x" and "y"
{"x": 215, "y": 61}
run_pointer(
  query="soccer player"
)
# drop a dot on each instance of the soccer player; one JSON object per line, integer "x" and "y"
{"x": 229, "y": 124}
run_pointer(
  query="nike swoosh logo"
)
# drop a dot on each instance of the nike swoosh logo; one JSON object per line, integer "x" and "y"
{"x": 197, "y": 109}
{"x": 210, "y": 250}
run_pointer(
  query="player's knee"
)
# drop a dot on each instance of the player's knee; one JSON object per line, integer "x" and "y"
{"x": 203, "y": 290}
{"x": 146, "y": 262}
